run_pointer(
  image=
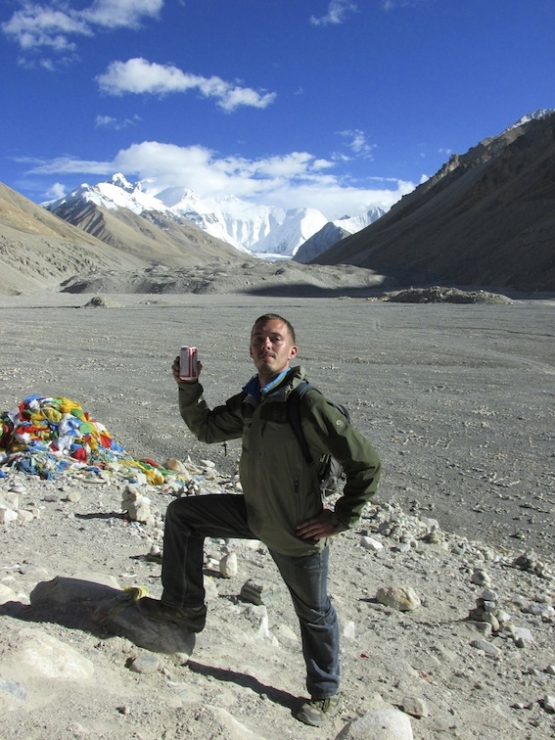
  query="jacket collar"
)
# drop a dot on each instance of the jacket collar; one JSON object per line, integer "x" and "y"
{"x": 277, "y": 390}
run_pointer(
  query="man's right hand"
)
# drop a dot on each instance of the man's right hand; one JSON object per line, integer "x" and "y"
{"x": 178, "y": 378}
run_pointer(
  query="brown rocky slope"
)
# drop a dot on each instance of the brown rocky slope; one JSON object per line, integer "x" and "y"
{"x": 39, "y": 250}
{"x": 487, "y": 218}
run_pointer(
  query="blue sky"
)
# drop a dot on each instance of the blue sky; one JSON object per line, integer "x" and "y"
{"x": 335, "y": 105}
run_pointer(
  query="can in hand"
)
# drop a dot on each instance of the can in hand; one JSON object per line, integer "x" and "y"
{"x": 188, "y": 363}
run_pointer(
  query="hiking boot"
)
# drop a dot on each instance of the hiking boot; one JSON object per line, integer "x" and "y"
{"x": 191, "y": 618}
{"x": 316, "y": 711}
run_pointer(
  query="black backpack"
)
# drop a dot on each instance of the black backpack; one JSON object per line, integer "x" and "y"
{"x": 330, "y": 472}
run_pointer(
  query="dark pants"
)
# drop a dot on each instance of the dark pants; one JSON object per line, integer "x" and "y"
{"x": 189, "y": 520}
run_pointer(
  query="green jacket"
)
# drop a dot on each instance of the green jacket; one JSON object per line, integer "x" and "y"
{"x": 281, "y": 490}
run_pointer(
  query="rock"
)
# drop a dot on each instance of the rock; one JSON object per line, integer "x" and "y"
{"x": 99, "y": 301}
{"x": 44, "y": 655}
{"x": 480, "y": 577}
{"x": 24, "y": 516}
{"x": 545, "y": 611}
{"x": 415, "y": 706}
{"x": 62, "y": 590}
{"x": 145, "y": 663}
{"x": 548, "y": 704}
{"x": 349, "y": 630}
{"x": 228, "y": 565}
{"x": 136, "y": 505}
{"x": 175, "y": 465}
{"x": 489, "y": 594}
{"x": 7, "y": 515}
{"x": 120, "y": 616}
{"x": 402, "y": 598}
{"x": 369, "y": 543}
{"x": 484, "y": 628}
{"x": 6, "y": 594}
{"x": 522, "y": 637}
{"x": 260, "y": 592}
{"x": 487, "y": 647}
{"x": 381, "y": 724}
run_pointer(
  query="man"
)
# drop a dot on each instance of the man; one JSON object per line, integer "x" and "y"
{"x": 281, "y": 502}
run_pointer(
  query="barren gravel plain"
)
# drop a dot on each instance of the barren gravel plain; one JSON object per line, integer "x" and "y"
{"x": 459, "y": 401}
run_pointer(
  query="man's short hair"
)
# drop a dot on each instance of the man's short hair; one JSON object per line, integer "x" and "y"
{"x": 275, "y": 317}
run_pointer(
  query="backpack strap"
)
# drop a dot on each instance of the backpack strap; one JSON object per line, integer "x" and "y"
{"x": 294, "y": 414}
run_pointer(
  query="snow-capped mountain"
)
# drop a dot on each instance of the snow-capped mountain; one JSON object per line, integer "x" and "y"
{"x": 259, "y": 229}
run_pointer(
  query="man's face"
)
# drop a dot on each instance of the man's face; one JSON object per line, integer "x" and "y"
{"x": 271, "y": 348}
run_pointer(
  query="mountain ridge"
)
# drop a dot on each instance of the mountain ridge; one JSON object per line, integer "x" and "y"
{"x": 486, "y": 218}
{"x": 253, "y": 229}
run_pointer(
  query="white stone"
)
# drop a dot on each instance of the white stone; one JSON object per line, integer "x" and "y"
{"x": 522, "y": 636}
{"x": 369, "y": 543}
{"x": 145, "y": 663}
{"x": 24, "y": 516}
{"x": 487, "y": 647}
{"x": 403, "y": 598}
{"x": 228, "y": 565}
{"x": 349, "y": 630}
{"x": 382, "y": 724}
{"x": 7, "y": 515}
{"x": 415, "y": 706}
{"x": 51, "y": 658}
{"x": 6, "y": 594}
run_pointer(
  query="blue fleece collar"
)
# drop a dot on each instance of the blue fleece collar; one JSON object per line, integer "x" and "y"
{"x": 253, "y": 386}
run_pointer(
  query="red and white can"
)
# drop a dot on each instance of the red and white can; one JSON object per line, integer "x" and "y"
{"x": 188, "y": 362}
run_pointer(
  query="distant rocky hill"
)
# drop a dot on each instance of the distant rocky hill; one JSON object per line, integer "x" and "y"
{"x": 487, "y": 218}
{"x": 40, "y": 250}
{"x": 153, "y": 236}
{"x": 333, "y": 232}
{"x": 329, "y": 235}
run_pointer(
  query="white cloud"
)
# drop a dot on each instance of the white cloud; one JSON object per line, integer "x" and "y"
{"x": 292, "y": 180}
{"x": 55, "y": 191}
{"x": 394, "y": 4}
{"x": 54, "y": 24}
{"x": 337, "y": 10}
{"x": 357, "y": 143}
{"x": 113, "y": 123}
{"x": 140, "y": 76}
{"x": 121, "y": 13}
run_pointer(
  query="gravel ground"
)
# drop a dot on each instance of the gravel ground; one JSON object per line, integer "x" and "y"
{"x": 459, "y": 402}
